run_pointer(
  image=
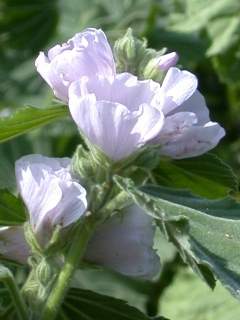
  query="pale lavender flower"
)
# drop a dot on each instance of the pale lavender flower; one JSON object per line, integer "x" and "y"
{"x": 50, "y": 194}
{"x": 187, "y": 130}
{"x": 13, "y": 245}
{"x": 117, "y": 115}
{"x": 86, "y": 54}
{"x": 125, "y": 244}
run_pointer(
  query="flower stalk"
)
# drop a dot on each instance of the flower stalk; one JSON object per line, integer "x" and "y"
{"x": 77, "y": 249}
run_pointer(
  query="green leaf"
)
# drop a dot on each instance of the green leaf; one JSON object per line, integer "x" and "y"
{"x": 206, "y": 175}
{"x": 83, "y": 304}
{"x": 6, "y": 306}
{"x": 206, "y": 232}
{"x": 27, "y": 25}
{"x": 199, "y": 13}
{"x": 9, "y": 153}
{"x": 12, "y": 210}
{"x": 226, "y": 207}
{"x": 28, "y": 119}
{"x": 5, "y": 299}
{"x": 189, "y": 45}
{"x": 224, "y": 33}
{"x": 15, "y": 306}
{"x": 224, "y": 7}
{"x": 207, "y": 305}
{"x": 7, "y": 309}
{"x": 227, "y": 65}
{"x": 107, "y": 282}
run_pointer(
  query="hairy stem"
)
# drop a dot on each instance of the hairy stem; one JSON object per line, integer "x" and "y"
{"x": 75, "y": 253}
{"x": 119, "y": 202}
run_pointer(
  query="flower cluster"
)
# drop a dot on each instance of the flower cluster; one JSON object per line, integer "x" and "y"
{"x": 119, "y": 114}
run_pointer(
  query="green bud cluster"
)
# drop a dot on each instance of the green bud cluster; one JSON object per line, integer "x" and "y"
{"x": 90, "y": 166}
{"x": 132, "y": 55}
{"x": 45, "y": 263}
{"x": 152, "y": 71}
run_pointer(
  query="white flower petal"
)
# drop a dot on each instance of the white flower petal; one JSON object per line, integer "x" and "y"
{"x": 124, "y": 243}
{"x": 175, "y": 125}
{"x": 131, "y": 92}
{"x": 73, "y": 204}
{"x": 188, "y": 131}
{"x": 112, "y": 127}
{"x": 52, "y": 78}
{"x": 197, "y": 104}
{"x": 176, "y": 88}
{"x": 119, "y": 116}
{"x": 124, "y": 89}
{"x": 194, "y": 141}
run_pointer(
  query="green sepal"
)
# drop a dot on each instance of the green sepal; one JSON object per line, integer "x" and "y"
{"x": 132, "y": 54}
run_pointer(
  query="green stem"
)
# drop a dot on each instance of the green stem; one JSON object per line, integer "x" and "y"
{"x": 16, "y": 297}
{"x": 121, "y": 201}
{"x": 75, "y": 253}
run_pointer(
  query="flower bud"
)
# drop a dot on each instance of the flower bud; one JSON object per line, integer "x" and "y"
{"x": 157, "y": 67}
{"x": 45, "y": 271}
{"x": 129, "y": 51}
{"x": 82, "y": 166}
{"x": 50, "y": 194}
{"x": 90, "y": 166}
{"x": 167, "y": 61}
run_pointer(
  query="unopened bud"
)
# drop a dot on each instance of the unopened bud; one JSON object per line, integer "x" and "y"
{"x": 129, "y": 52}
{"x": 157, "y": 67}
{"x": 167, "y": 61}
{"x": 89, "y": 166}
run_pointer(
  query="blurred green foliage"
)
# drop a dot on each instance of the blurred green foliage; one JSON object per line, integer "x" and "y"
{"x": 204, "y": 304}
{"x": 206, "y": 34}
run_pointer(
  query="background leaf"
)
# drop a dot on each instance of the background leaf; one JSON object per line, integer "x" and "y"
{"x": 11, "y": 296}
{"x": 12, "y": 211}
{"x": 83, "y": 304}
{"x": 25, "y": 120}
{"x": 206, "y": 175}
{"x": 19, "y": 23}
{"x": 199, "y": 13}
{"x": 206, "y": 304}
{"x": 223, "y": 33}
{"x": 6, "y": 306}
{"x": 207, "y": 237}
